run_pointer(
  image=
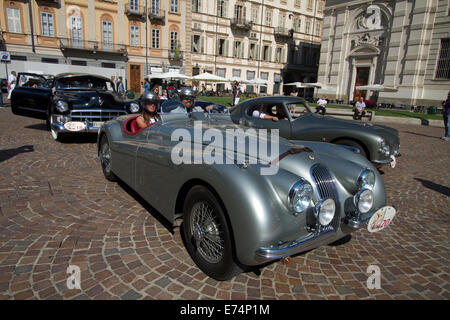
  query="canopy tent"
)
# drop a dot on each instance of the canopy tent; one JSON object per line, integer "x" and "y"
{"x": 377, "y": 87}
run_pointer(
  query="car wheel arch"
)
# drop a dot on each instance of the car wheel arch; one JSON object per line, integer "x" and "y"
{"x": 362, "y": 144}
{"x": 181, "y": 197}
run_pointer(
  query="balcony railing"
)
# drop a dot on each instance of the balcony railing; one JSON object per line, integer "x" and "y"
{"x": 282, "y": 32}
{"x": 49, "y": 2}
{"x": 93, "y": 46}
{"x": 157, "y": 16}
{"x": 134, "y": 12}
{"x": 239, "y": 23}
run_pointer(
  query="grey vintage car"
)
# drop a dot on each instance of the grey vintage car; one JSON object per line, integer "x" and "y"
{"x": 235, "y": 215}
{"x": 380, "y": 144}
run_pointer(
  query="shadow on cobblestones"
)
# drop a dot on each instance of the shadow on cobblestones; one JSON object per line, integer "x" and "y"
{"x": 9, "y": 153}
{"x": 422, "y": 135}
{"x": 158, "y": 216}
{"x": 38, "y": 126}
{"x": 433, "y": 186}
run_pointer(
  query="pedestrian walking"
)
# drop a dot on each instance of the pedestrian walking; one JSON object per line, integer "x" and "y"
{"x": 446, "y": 106}
{"x": 120, "y": 87}
{"x": 233, "y": 92}
{"x": 238, "y": 94}
{"x": 146, "y": 85}
{"x": 12, "y": 79}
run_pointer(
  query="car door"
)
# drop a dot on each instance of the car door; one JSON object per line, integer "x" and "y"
{"x": 284, "y": 126}
{"x": 125, "y": 156}
{"x": 152, "y": 165}
{"x": 32, "y": 96}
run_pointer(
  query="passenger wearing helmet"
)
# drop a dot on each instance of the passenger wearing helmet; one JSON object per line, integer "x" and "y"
{"x": 149, "y": 114}
{"x": 187, "y": 98}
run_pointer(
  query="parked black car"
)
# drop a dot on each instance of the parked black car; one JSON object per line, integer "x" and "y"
{"x": 69, "y": 102}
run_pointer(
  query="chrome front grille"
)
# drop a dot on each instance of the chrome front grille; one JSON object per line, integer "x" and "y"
{"x": 95, "y": 115}
{"x": 326, "y": 188}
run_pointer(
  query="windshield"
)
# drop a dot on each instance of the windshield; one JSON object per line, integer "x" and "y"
{"x": 298, "y": 109}
{"x": 84, "y": 83}
{"x": 32, "y": 81}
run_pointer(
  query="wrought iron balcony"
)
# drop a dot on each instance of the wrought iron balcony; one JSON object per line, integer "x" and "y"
{"x": 92, "y": 46}
{"x": 239, "y": 23}
{"x": 176, "y": 55}
{"x": 134, "y": 12}
{"x": 281, "y": 32}
{"x": 157, "y": 16}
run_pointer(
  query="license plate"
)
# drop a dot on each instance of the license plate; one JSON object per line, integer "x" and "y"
{"x": 74, "y": 126}
{"x": 97, "y": 124}
{"x": 381, "y": 219}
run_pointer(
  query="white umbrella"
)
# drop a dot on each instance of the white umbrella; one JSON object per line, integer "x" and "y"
{"x": 208, "y": 77}
{"x": 298, "y": 85}
{"x": 237, "y": 79}
{"x": 169, "y": 75}
{"x": 377, "y": 87}
{"x": 257, "y": 81}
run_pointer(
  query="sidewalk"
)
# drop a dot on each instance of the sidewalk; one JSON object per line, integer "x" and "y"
{"x": 347, "y": 115}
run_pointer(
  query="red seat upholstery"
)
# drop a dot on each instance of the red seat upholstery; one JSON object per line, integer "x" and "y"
{"x": 134, "y": 126}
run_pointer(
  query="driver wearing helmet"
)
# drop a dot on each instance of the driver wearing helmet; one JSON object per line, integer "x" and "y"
{"x": 187, "y": 98}
{"x": 149, "y": 114}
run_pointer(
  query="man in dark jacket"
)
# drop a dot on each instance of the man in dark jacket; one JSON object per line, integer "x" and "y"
{"x": 446, "y": 106}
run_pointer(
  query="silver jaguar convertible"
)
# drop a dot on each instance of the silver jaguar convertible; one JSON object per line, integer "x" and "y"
{"x": 242, "y": 204}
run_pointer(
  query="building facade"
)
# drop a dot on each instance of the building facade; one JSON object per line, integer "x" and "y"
{"x": 273, "y": 40}
{"x": 106, "y": 37}
{"x": 400, "y": 44}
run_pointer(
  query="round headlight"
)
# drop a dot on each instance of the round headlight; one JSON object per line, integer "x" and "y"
{"x": 134, "y": 108}
{"x": 326, "y": 212}
{"x": 364, "y": 200}
{"x": 62, "y": 106}
{"x": 366, "y": 180}
{"x": 300, "y": 196}
{"x": 384, "y": 147}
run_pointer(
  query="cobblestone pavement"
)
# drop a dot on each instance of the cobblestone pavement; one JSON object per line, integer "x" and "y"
{"x": 56, "y": 210}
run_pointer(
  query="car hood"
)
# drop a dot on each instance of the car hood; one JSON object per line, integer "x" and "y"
{"x": 92, "y": 99}
{"x": 296, "y": 157}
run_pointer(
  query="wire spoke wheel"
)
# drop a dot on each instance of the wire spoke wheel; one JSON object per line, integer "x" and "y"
{"x": 207, "y": 232}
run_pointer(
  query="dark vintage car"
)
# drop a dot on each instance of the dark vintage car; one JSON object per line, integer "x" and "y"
{"x": 236, "y": 215}
{"x": 380, "y": 144}
{"x": 70, "y": 103}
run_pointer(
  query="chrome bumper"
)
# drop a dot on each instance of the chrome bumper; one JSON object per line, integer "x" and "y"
{"x": 310, "y": 241}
